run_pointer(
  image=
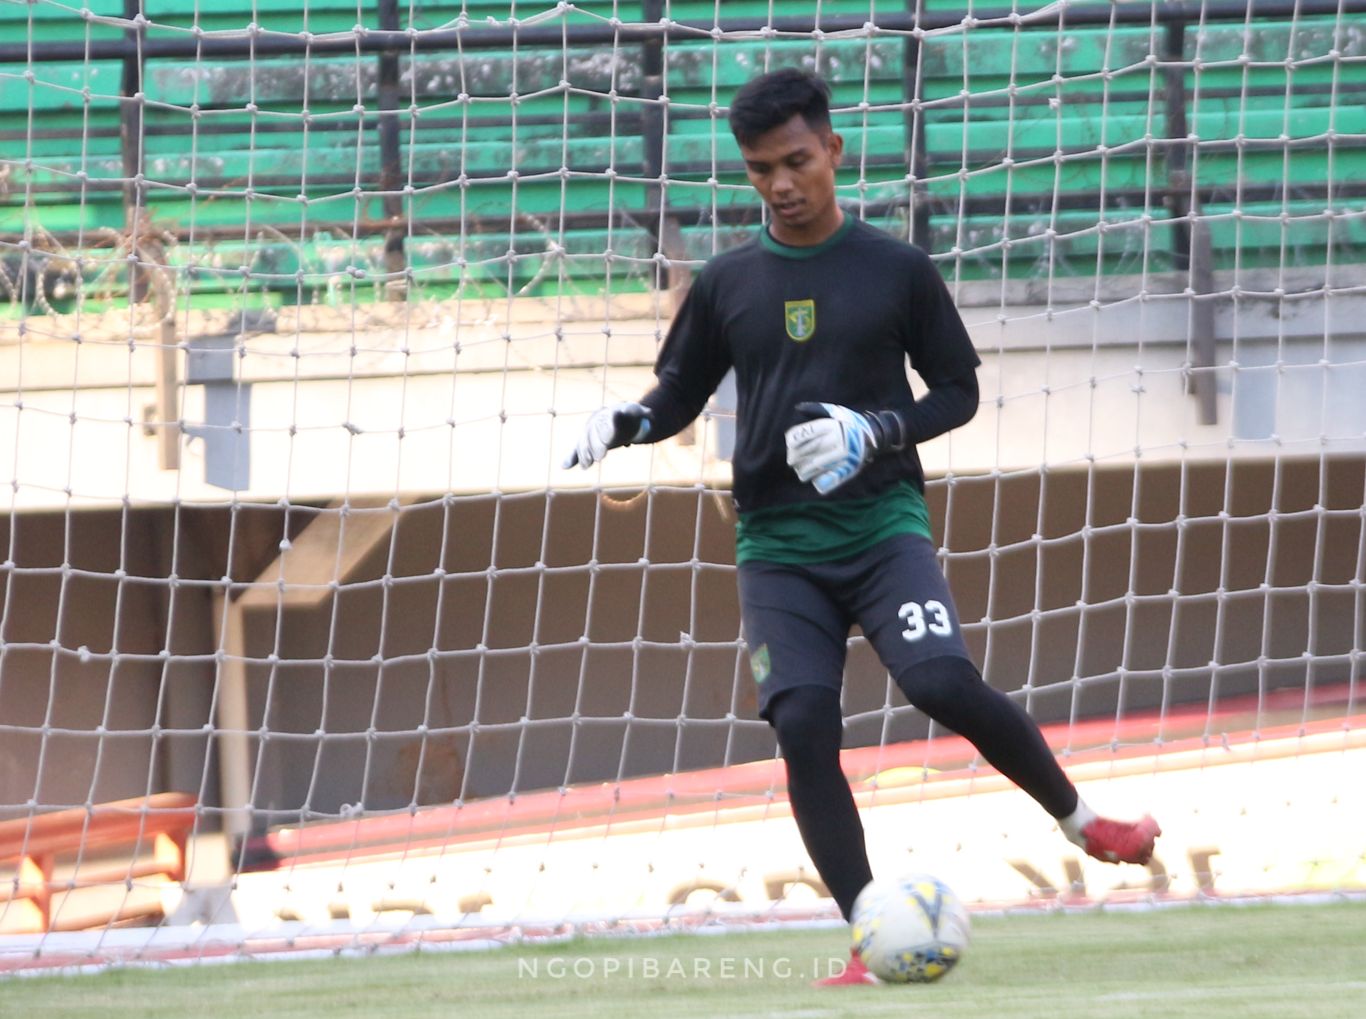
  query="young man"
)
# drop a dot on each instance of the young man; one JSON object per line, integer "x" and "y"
{"x": 818, "y": 316}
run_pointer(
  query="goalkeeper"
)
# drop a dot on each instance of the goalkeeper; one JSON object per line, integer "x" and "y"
{"x": 817, "y": 316}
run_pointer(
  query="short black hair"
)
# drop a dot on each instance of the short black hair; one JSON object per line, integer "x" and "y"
{"x": 772, "y": 99}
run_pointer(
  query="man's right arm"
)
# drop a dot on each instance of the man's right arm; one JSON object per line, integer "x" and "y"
{"x": 690, "y": 366}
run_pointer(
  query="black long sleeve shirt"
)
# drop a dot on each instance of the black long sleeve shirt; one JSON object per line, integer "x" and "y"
{"x": 833, "y": 323}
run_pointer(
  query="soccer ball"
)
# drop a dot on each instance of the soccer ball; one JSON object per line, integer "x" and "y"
{"x": 909, "y": 930}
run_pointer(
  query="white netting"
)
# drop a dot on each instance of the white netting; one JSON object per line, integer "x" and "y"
{"x": 305, "y": 632}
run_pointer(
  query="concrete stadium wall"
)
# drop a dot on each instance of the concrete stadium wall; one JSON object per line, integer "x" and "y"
{"x": 1270, "y": 594}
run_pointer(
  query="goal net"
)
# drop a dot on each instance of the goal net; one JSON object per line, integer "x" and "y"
{"x": 308, "y": 641}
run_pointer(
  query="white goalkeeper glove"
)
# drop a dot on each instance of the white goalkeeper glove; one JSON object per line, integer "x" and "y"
{"x": 609, "y": 427}
{"x": 838, "y": 442}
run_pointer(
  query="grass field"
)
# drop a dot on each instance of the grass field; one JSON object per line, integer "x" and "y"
{"x": 1245, "y": 961}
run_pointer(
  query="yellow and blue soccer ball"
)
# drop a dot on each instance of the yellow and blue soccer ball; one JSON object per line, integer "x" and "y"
{"x": 911, "y": 929}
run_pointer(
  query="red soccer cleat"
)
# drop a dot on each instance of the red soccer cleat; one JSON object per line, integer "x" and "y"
{"x": 1121, "y": 841}
{"x": 854, "y": 974}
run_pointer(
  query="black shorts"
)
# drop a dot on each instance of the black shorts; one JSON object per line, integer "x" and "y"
{"x": 797, "y": 617}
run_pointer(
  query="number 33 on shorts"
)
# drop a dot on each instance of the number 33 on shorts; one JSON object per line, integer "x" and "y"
{"x": 932, "y": 617}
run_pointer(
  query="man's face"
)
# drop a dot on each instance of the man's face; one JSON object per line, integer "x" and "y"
{"x": 793, "y": 169}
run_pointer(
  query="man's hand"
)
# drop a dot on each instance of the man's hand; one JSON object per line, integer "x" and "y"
{"x": 609, "y": 427}
{"x": 831, "y": 447}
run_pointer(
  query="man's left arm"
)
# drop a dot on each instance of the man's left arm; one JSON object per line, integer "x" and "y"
{"x": 947, "y": 405}
{"x": 834, "y": 443}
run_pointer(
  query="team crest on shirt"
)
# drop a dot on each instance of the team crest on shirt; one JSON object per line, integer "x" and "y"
{"x": 800, "y": 318}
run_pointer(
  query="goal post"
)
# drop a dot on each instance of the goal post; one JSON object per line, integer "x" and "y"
{"x": 306, "y": 638}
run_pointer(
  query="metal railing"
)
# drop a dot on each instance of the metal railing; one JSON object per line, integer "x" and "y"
{"x": 388, "y": 43}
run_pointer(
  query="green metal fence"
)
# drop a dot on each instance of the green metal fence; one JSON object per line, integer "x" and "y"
{"x": 532, "y": 161}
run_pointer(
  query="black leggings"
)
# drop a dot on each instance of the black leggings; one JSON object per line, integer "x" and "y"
{"x": 809, "y": 726}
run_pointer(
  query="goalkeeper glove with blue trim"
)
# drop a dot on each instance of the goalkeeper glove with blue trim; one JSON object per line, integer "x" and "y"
{"x": 835, "y": 443}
